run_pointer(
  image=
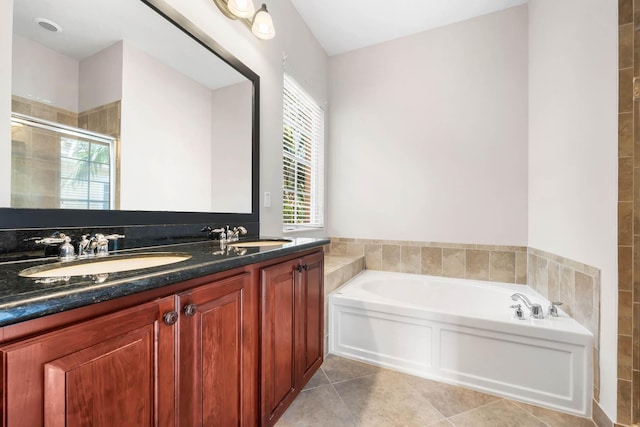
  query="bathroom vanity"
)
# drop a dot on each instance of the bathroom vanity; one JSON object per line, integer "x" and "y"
{"x": 224, "y": 338}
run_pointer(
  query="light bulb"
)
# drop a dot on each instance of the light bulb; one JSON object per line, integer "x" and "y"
{"x": 241, "y": 8}
{"x": 262, "y": 26}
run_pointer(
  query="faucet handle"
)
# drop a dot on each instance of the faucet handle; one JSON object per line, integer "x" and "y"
{"x": 553, "y": 309}
{"x": 519, "y": 314}
{"x": 114, "y": 236}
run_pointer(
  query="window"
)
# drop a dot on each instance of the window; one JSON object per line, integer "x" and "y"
{"x": 85, "y": 174}
{"x": 303, "y": 158}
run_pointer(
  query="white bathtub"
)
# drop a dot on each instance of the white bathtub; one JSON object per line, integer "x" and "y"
{"x": 463, "y": 332}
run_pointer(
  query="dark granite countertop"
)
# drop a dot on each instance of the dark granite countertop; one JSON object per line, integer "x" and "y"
{"x": 24, "y": 298}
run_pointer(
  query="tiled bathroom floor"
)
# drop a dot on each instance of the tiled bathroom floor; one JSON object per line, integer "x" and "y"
{"x": 348, "y": 393}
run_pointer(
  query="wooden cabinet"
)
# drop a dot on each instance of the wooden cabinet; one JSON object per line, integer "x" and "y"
{"x": 218, "y": 347}
{"x": 188, "y": 359}
{"x": 292, "y": 301}
{"x": 117, "y": 369}
{"x": 188, "y": 354}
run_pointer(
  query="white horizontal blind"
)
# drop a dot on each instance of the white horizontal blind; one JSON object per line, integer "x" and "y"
{"x": 303, "y": 158}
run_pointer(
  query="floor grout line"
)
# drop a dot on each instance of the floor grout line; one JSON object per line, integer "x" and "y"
{"x": 353, "y": 418}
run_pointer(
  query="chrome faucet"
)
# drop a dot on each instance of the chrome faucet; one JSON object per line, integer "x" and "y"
{"x": 234, "y": 235}
{"x": 66, "y": 251}
{"x": 97, "y": 245}
{"x": 536, "y": 309}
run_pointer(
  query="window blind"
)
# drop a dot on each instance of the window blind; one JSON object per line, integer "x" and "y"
{"x": 303, "y": 158}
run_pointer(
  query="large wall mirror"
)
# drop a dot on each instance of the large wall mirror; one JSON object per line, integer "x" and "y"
{"x": 125, "y": 113}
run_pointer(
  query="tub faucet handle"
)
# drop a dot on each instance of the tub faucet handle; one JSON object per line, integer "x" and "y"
{"x": 553, "y": 309}
{"x": 519, "y": 314}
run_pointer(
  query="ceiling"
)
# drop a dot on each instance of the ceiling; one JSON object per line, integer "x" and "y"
{"x": 88, "y": 26}
{"x": 341, "y": 26}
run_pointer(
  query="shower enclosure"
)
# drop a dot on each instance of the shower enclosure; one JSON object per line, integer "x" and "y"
{"x": 60, "y": 166}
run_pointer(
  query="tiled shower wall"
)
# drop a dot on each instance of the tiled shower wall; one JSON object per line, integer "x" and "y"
{"x": 575, "y": 284}
{"x": 628, "y": 214}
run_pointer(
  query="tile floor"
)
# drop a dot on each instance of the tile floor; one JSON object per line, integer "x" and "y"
{"x": 349, "y": 393}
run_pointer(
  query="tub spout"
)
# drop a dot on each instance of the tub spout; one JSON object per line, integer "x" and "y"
{"x": 536, "y": 309}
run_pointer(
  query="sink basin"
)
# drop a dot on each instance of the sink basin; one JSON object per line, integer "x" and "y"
{"x": 259, "y": 242}
{"x": 109, "y": 264}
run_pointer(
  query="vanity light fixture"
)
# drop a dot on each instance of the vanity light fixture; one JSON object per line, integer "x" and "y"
{"x": 259, "y": 22}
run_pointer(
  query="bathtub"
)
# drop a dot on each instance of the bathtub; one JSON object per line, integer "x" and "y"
{"x": 463, "y": 332}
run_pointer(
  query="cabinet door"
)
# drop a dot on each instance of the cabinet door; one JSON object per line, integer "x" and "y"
{"x": 116, "y": 369}
{"x": 311, "y": 322}
{"x": 279, "y": 302}
{"x": 217, "y": 354}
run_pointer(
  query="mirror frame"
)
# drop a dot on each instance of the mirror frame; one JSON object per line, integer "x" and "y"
{"x": 22, "y": 218}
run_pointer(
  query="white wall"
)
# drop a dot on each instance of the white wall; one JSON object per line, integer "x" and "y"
{"x": 573, "y": 149}
{"x": 428, "y": 135}
{"x": 163, "y": 113}
{"x": 6, "y": 28}
{"x": 304, "y": 54}
{"x": 231, "y": 111}
{"x": 100, "y": 79}
{"x": 44, "y": 75}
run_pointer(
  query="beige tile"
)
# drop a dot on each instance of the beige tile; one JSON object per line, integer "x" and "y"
{"x": 584, "y": 298}
{"x": 553, "y": 282}
{"x": 625, "y": 135}
{"x": 625, "y": 46}
{"x": 635, "y": 407}
{"x": 477, "y": 264}
{"x": 497, "y": 414}
{"x": 624, "y": 402}
{"x": 521, "y": 268}
{"x": 19, "y": 106}
{"x": 625, "y": 357}
{"x": 542, "y": 276}
{"x": 599, "y": 417}
{"x": 317, "y": 407}
{"x": 410, "y": 257}
{"x": 386, "y": 399}
{"x": 431, "y": 261}
{"x": 625, "y": 179}
{"x": 555, "y": 419}
{"x": 318, "y": 379}
{"x": 338, "y": 248}
{"x": 636, "y": 338}
{"x": 636, "y": 267}
{"x": 567, "y": 290}
{"x": 625, "y": 11}
{"x": 532, "y": 270}
{"x": 625, "y": 223}
{"x": 391, "y": 260}
{"x": 443, "y": 423}
{"x": 625, "y": 94}
{"x": 503, "y": 267}
{"x": 338, "y": 369}
{"x": 355, "y": 249}
{"x": 453, "y": 262}
{"x": 625, "y": 267}
{"x": 625, "y": 311}
{"x": 450, "y": 400}
{"x": 373, "y": 256}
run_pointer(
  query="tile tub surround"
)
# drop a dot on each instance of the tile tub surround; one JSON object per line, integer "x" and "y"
{"x": 349, "y": 393}
{"x": 468, "y": 261}
{"x": 628, "y": 410}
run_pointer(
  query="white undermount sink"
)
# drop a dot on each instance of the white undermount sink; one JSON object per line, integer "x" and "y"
{"x": 109, "y": 264}
{"x": 259, "y": 242}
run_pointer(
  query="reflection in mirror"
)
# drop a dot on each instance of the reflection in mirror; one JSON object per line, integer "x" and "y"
{"x": 126, "y": 113}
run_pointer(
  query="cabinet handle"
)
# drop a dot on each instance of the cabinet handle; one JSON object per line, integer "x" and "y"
{"x": 170, "y": 318}
{"x": 190, "y": 310}
{"x": 302, "y": 267}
